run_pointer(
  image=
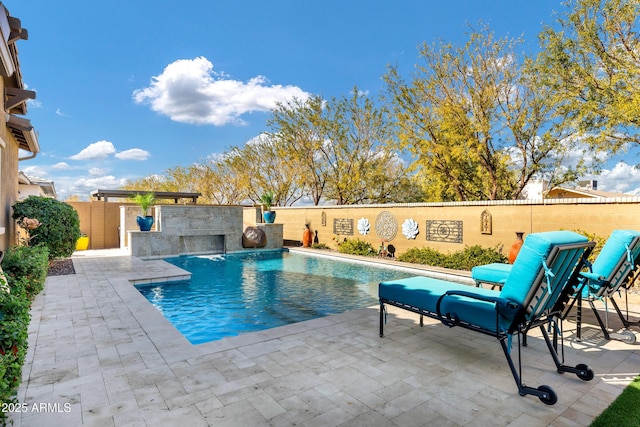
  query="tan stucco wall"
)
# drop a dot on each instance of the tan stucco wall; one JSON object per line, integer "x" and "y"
{"x": 8, "y": 182}
{"x": 100, "y": 220}
{"x": 599, "y": 217}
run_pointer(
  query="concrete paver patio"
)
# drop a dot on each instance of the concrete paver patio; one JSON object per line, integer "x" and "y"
{"x": 101, "y": 355}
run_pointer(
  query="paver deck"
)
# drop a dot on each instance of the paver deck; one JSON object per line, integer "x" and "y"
{"x": 101, "y": 355}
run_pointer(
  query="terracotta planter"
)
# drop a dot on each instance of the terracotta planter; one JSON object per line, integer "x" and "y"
{"x": 307, "y": 238}
{"x": 515, "y": 247}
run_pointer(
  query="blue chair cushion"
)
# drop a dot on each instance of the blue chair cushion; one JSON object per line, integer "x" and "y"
{"x": 424, "y": 292}
{"x": 527, "y": 266}
{"x": 616, "y": 248}
{"x": 491, "y": 273}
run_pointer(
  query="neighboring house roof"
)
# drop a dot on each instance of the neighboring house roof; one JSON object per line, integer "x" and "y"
{"x": 46, "y": 187}
{"x": 571, "y": 193}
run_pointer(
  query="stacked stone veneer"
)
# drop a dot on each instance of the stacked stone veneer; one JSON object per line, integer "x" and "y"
{"x": 192, "y": 229}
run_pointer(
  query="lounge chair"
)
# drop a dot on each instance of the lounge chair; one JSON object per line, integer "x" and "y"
{"x": 613, "y": 270}
{"x": 535, "y": 292}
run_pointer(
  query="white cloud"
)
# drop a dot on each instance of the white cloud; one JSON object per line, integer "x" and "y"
{"x": 60, "y": 113}
{"x": 84, "y": 186}
{"x": 61, "y": 166}
{"x": 97, "y": 171}
{"x": 622, "y": 178}
{"x": 189, "y": 91}
{"x": 97, "y": 150}
{"x": 34, "y": 171}
{"x": 133, "y": 154}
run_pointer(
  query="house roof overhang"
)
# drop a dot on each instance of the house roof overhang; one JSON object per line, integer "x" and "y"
{"x": 15, "y": 95}
{"x": 23, "y": 132}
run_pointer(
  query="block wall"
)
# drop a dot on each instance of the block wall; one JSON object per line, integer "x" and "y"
{"x": 452, "y": 226}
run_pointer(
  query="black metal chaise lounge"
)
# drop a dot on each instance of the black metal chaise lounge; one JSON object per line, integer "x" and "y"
{"x": 613, "y": 271}
{"x": 535, "y": 293}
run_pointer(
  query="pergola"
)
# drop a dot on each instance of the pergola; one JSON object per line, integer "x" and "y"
{"x": 160, "y": 195}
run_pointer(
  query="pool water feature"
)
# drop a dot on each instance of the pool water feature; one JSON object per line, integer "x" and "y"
{"x": 235, "y": 293}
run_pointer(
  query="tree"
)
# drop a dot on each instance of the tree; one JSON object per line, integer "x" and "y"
{"x": 262, "y": 169}
{"x": 297, "y": 125}
{"x": 593, "y": 69}
{"x": 339, "y": 149}
{"x": 475, "y": 120}
{"x": 152, "y": 183}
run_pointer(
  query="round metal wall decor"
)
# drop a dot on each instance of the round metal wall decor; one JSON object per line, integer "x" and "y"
{"x": 386, "y": 226}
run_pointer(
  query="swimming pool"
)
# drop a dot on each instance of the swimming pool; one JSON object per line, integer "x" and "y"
{"x": 236, "y": 293}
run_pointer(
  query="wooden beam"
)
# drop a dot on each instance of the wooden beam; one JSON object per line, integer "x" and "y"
{"x": 16, "y": 31}
{"x": 14, "y": 97}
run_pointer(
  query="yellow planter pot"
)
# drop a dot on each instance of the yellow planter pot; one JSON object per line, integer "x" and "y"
{"x": 82, "y": 244}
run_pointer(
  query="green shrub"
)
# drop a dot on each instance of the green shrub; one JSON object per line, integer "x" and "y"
{"x": 464, "y": 259}
{"x": 59, "y": 224}
{"x": 319, "y": 246}
{"x": 600, "y": 241}
{"x": 425, "y": 256}
{"x": 28, "y": 265}
{"x": 14, "y": 321}
{"x": 471, "y": 256}
{"x": 356, "y": 247}
{"x": 25, "y": 269}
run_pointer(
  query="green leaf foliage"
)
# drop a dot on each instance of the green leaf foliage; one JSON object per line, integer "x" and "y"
{"x": 356, "y": 247}
{"x": 59, "y": 224}
{"x": 464, "y": 259}
{"x": 144, "y": 200}
{"x": 25, "y": 270}
{"x": 27, "y": 265}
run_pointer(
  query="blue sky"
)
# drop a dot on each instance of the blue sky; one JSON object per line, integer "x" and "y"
{"x": 126, "y": 89}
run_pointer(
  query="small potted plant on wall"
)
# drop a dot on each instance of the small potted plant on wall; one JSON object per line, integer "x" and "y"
{"x": 145, "y": 201}
{"x": 268, "y": 215}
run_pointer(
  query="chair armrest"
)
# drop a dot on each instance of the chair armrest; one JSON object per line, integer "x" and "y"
{"x": 503, "y": 305}
{"x": 592, "y": 276}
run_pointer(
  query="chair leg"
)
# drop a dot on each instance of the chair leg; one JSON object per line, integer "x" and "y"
{"x": 582, "y": 371}
{"x": 544, "y": 392}
{"x": 381, "y": 319}
{"x": 600, "y": 322}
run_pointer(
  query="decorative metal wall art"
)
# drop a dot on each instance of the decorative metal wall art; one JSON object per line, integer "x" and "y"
{"x": 486, "y": 222}
{"x": 449, "y": 231}
{"x": 363, "y": 226}
{"x": 323, "y": 219}
{"x": 410, "y": 228}
{"x": 343, "y": 226}
{"x": 386, "y": 226}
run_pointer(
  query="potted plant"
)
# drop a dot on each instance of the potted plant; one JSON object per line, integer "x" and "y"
{"x": 267, "y": 214}
{"x": 145, "y": 201}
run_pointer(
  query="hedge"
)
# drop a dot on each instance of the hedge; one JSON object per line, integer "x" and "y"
{"x": 25, "y": 269}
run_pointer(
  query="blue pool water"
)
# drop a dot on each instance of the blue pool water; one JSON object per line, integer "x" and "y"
{"x": 235, "y": 293}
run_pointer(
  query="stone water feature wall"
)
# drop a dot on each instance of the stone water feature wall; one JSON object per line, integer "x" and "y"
{"x": 189, "y": 229}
